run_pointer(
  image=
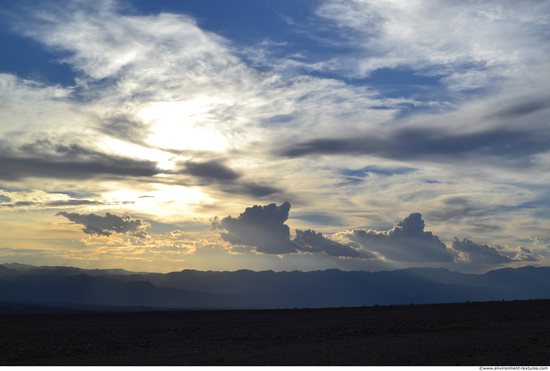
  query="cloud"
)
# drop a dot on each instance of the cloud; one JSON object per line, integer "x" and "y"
{"x": 309, "y": 241}
{"x": 251, "y": 189}
{"x": 43, "y": 159}
{"x": 433, "y": 144}
{"x": 125, "y": 127}
{"x": 160, "y": 81}
{"x": 479, "y": 253}
{"x": 455, "y": 207}
{"x": 525, "y": 254}
{"x": 144, "y": 53}
{"x": 72, "y": 203}
{"x": 19, "y": 204}
{"x": 406, "y": 242}
{"x": 105, "y": 225}
{"x": 214, "y": 170}
{"x": 261, "y": 227}
{"x": 215, "y": 173}
{"x": 525, "y": 107}
{"x": 4, "y": 198}
{"x": 470, "y": 45}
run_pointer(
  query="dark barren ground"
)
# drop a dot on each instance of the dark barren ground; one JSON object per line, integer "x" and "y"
{"x": 490, "y": 333}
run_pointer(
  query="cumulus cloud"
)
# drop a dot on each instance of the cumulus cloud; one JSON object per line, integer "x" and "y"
{"x": 479, "y": 253}
{"x": 261, "y": 227}
{"x": 106, "y": 225}
{"x": 406, "y": 242}
{"x": 309, "y": 241}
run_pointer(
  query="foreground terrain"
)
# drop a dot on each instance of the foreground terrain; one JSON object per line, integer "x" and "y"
{"x": 489, "y": 333}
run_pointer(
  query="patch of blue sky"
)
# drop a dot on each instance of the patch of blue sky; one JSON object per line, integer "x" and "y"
{"x": 286, "y": 25}
{"x": 401, "y": 84}
{"x": 241, "y": 21}
{"x": 319, "y": 219}
{"x": 28, "y": 59}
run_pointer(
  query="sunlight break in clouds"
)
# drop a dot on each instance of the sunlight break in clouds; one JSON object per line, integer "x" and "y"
{"x": 360, "y": 114}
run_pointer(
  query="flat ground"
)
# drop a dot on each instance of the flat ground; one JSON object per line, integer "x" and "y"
{"x": 491, "y": 333}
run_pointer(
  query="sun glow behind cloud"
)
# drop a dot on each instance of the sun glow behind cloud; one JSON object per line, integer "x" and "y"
{"x": 182, "y": 125}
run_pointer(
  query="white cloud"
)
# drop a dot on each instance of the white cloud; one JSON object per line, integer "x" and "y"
{"x": 463, "y": 40}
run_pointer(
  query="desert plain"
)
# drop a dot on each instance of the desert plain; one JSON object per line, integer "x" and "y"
{"x": 475, "y": 333}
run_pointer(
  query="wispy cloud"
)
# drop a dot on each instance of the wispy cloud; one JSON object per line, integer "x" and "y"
{"x": 470, "y": 45}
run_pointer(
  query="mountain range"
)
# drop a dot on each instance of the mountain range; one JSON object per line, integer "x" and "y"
{"x": 245, "y": 289}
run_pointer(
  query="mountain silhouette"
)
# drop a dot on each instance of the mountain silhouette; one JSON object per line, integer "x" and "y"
{"x": 246, "y": 289}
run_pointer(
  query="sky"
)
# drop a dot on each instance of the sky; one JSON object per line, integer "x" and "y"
{"x": 279, "y": 135}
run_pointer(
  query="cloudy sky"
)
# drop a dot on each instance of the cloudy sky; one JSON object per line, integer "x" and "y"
{"x": 275, "y": 134}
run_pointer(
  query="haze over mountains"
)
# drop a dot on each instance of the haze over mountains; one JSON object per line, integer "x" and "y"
{"x": 245, "y": 289}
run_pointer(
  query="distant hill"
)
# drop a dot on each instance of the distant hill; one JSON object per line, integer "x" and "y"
{"x": 267, "y": 289}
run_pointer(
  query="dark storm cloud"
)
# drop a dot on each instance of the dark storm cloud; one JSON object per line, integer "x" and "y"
{"x": 252, "y": 189}
{"x": 106, "y": 225}
{"x": 215, "y": 173}
{"x": 261, "y": 227}
{"x": 479, "y": 253}
{"x": 406, "y": 144}
{"x": 523, "y": 108}
{"x": 406, "y": 242}
{"x": 214, "y": 170}
{"x": 310, "y": 241}
{"x": 43, "y": 159}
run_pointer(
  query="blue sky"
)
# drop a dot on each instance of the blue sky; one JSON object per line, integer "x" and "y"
{"x": 350, "y": 134}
